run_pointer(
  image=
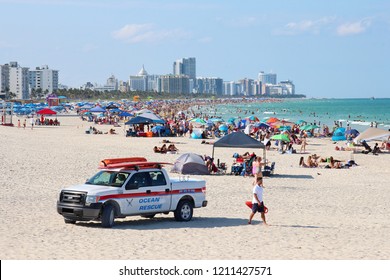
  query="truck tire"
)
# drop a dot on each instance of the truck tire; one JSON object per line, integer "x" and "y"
{"x": 184, "y": 211}
{"x": 67, "y": 221}
{"x": 108, "y": 216}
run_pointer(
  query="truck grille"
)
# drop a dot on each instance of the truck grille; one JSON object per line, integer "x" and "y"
{"x": 73, "y": 197}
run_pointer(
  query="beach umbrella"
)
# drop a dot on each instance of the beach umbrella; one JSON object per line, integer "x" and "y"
{"x": 352, "y": 132}
{"x": 46, "y": 111}
{"x": 223, "y": 127}
{"x": 303, "y": 127}
{"x": 272, "y": 120}
{"x": 253, "y": 118}
{"x": 310, "y": 127}
{"x": 216, "y": 120}
{"x": 112, "y": 106}
{"x": 198, "y": 120}
{"x": 125, "y": 114}
{"x": 281, "y": 137}
{"x": 285, "y": 128}
{"x": 299, "y": 122}
{"x": 261, "y": 125}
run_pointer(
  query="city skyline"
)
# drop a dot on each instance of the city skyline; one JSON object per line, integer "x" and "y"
{"x": 331, "y": 49}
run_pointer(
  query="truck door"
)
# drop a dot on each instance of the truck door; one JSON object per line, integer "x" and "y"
{"x": 147, "y": 192}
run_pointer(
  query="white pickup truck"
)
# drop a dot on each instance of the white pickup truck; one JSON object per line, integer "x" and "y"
{"x": 128, "y": 187}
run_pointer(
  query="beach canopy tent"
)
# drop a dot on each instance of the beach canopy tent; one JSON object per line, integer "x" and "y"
{"x": 46, "y": 111}
{"x": 339, "y": 134}
{"x": 190, "y": 163}
{"x": 97, "y": 109}
{"x": 372, "y": 133}
{"x": 238, "y": 140}
{"x": 152, "y": 116}
{"x": 125, "y": 114}
{"x": 141, "y": 120}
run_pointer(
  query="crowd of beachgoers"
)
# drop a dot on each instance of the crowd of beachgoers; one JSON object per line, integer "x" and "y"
{"x": 312, "y": 202}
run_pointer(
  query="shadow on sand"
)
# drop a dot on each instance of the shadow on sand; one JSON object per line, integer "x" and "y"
{"x": 292, "y": 176}
{"x": 161, "y": 223}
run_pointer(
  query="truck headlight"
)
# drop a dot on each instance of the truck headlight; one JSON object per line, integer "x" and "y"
{"x": 91, "y": 199}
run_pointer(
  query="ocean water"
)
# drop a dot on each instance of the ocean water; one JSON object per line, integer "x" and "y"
{"x": 358, "y": 112}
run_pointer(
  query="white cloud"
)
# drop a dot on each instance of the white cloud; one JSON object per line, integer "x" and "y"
{"x": 305, "y": 26}
{"x": 353, "y": 28}
{"x": 137, "y": 33}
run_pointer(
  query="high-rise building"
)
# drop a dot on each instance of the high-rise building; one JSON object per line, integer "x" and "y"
{"x": 43, "y": 78}
{"x": 139, "y": 82}
{"x": 246, "y": 86}
{"x": 176, "y": 84}
{"x": 267, "y": 78}
{"x": 230, "y": 88}
{"x": 18, "y": 81}
{"x": 210, "y": 85}
{"x": 4, "y": 78}
{"x": 186, "y": 66}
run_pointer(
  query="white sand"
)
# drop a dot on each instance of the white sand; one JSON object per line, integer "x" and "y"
{"x": 313, "y": 213}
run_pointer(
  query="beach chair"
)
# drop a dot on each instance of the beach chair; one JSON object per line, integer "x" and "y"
{"x": 367, "y": 148}
{"x": 222, "y": 167}
{"x": 269, "y": 170}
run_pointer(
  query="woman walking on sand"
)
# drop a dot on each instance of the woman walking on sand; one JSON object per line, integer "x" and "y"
{"x": 303, "y": 144}
{"x": 257, "y": 201}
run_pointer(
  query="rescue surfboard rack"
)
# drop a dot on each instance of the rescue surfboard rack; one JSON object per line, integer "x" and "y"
{"x": 135, "y": 163}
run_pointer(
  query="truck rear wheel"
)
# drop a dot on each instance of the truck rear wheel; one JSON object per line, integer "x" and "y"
{"x": 108, "y": 216}
{"x": 184, "y": 211}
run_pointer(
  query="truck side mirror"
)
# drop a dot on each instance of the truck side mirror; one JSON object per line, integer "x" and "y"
{"x": 131, "y": 186}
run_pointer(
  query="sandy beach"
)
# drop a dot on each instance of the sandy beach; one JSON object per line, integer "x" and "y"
{"x": 314, "y": 213}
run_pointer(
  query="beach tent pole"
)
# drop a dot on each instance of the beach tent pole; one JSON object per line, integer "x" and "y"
{"x": 212, "y": 156}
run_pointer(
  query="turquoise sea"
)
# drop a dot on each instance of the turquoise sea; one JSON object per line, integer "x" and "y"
{"x": 358, "y": 112}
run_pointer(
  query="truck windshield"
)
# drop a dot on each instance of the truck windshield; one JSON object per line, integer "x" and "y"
{"x": 109, "y": 178}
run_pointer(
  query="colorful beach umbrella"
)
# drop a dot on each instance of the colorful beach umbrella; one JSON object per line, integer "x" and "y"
{"x": 281, "y": 137}
{"x": 272, "y": 120}
{"x": 310, "y": 127}
{"x": 252, "y": 118}
{"x": 198, "y": 120}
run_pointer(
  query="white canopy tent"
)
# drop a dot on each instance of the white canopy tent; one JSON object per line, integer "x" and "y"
{"x": 372, "y": 133}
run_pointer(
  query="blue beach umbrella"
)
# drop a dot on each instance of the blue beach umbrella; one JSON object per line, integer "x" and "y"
{"x": 352, "y": 132}
{"x": 198, "y": 120}
{"x": 125, "y": 114}
{"x": 223, "y": 127}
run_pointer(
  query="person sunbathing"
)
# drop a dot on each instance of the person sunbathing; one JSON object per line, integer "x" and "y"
{"x": 172, "y": 149}
{"x": 163, "y": 149}
{"x": 302, "y": 162}
{"x": 156, "y": 149}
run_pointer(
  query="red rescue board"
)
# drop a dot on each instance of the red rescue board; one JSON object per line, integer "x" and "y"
{"x": 108, "y": 161}
{"x": 249, "y": 204}
{"x": 135, "y": 165}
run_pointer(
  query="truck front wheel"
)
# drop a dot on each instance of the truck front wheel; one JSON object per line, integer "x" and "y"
{"x": 108, "y": 216}
{"x": 68, "y": 221}
{"x": 184, "y": 211}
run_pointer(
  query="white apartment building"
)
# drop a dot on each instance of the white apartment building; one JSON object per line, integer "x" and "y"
{"x": 139, "y": 82}
{"x": 44, "y": 78}
{"x": 267, "y": 78}
{"x": 18, "y": 80}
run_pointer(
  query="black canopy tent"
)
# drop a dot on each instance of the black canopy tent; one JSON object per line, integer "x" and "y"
{"x": 239, "y": 140}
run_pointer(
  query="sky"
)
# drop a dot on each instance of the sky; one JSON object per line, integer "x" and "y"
{"x": 328, "y": 48}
